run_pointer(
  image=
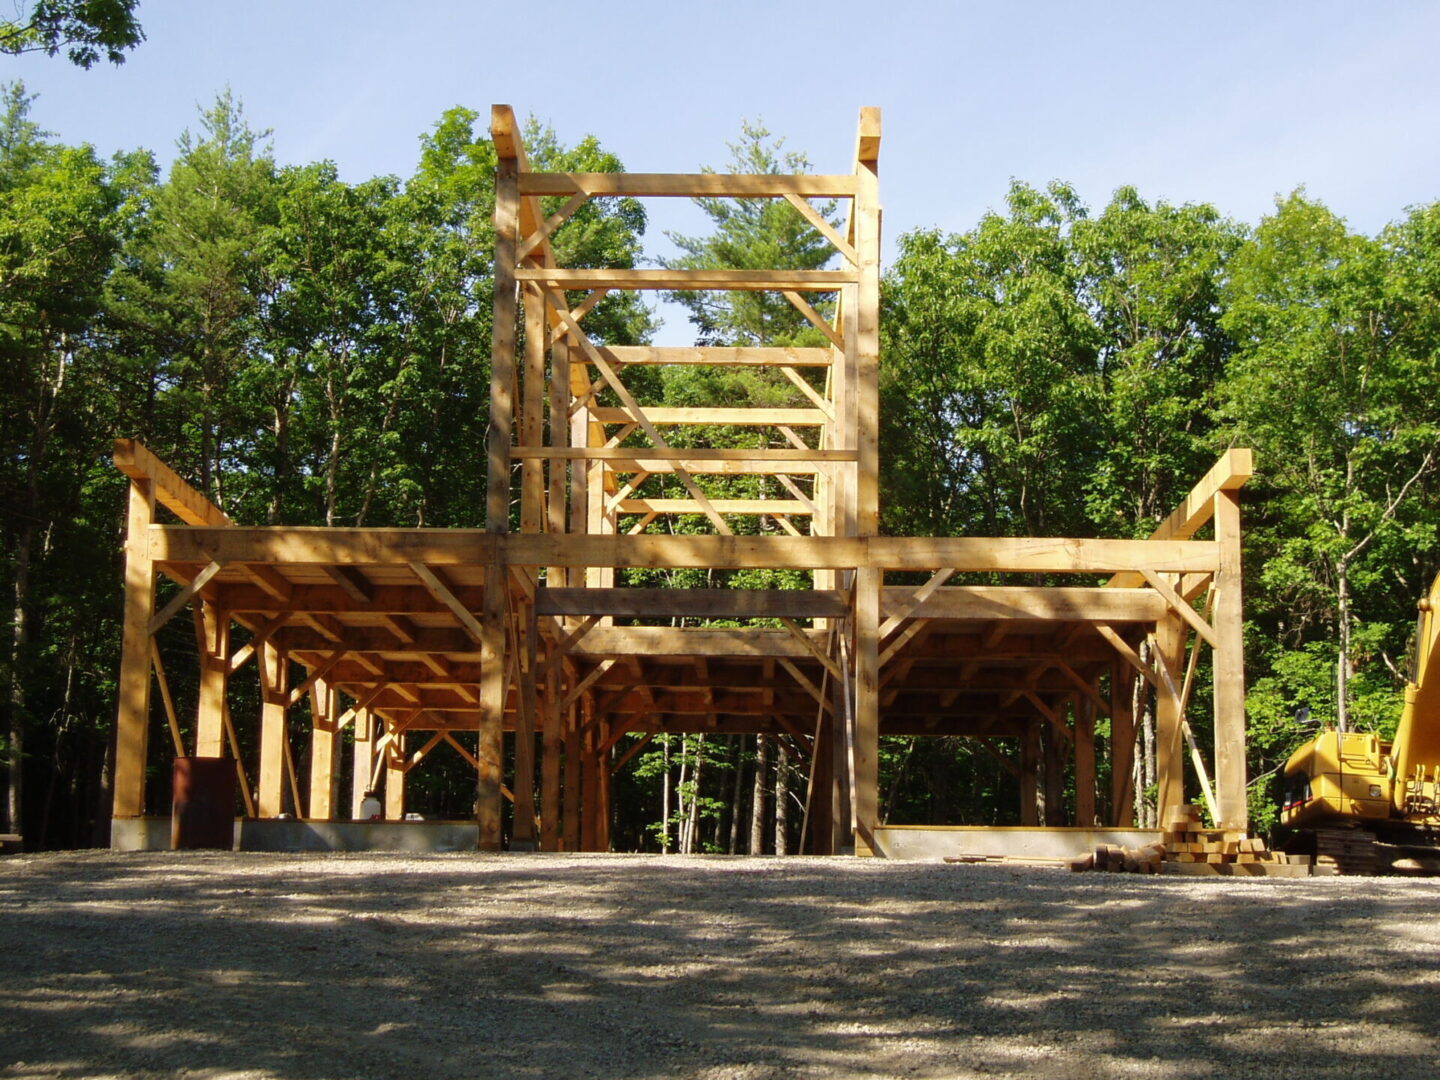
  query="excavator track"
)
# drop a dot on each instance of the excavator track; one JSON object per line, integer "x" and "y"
{"x": 1345, "y": 851}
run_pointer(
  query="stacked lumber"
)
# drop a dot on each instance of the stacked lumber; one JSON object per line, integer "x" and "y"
{"x": 1116, "y": 859}
{"x": 1345, "y": 851}
{"x": 1191, "y": 848}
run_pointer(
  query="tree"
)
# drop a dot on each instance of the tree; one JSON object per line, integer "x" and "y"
{"x": 62, "y": 215}
{"x": 1335, "y": 383}
{"x": 85, "y": 29}
{"x": 989, "y": 374}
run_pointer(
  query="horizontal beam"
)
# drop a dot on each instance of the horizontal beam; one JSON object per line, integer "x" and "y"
{"x": 730, "y": 417}
{"x": 1232, "y": 472}
{"x": 696, "y": 603}
{"x": 721, "y": 506}
{"x": 719, "y": 355}
{"x": 688, "y": 280}
{"x": 185, "y": 502}
{"x": 651, "y": 641}
{"x": 1038, "y": 603}
{"x": 687, "y": 185}
{"x": 451, "y": 547}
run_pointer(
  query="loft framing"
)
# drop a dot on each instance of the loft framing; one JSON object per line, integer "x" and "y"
{"x": 424, "y": 640}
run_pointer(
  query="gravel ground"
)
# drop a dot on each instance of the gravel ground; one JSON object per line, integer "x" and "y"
{"x": 430, "y": 967}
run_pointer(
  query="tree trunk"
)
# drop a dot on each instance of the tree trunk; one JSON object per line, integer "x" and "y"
{"x": 782, "y": 798}
{"x": 665, "y": 799}
{"x": 19, "y": 643}
{"x": 1342, "y": 663}
{"x": 757, "y": 797}
{"x": 737, "y": 792}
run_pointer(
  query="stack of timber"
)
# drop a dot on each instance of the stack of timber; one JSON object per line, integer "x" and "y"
{"x": 1345, "y": 851}
{"x": 1190, "y": 848}
{"x": 1123, "y": 860}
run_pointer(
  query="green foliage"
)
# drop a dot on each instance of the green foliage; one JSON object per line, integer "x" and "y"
{"x": 85, "y": 29}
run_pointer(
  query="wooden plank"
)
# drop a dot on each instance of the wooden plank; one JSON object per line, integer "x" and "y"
{"x": 814, "y": 318}
{"x": 823, "y": 227}
{"x": 699, "y": 603}
{"x": 1230, "y": 473}
{"x": 169, "y": 490}
{"x": 1179, "y": 606}
{"x": 502, "y": 349}
{"x": 906, "y": 605}
{"x": 1056, "y": 603}
{"x": 655, "y": 507}
{"x": 866, "y": 793}
{"x": 616, "y": 641}
{"x": 325, "y": 746}
{"x": 274, "y": 705}
{"x": 630, "y": 458}
{"x": 315, "y": 675}
{"x": 719, "y": 355}
{"x": 505, "y": 133}
{"x": 729, "y": 280}
{"x": 213, "y": 629}
{"x": 180, "y": 599}
{"x": 638, "y": 415}
{"x": 683, "y": 185}
{"x": 1228, "y": 660}
{"x": 865, "y": 221}
{"x": 756, "y": 417}
{"x": 451, "y": 547}
{"x": 441, "y": 591}
{"x": 171, "y": 717}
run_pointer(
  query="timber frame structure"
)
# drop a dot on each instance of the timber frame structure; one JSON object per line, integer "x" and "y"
{"x": 417, "y": 637}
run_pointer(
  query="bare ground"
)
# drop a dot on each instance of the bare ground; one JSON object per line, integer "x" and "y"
{"x": 431, "y": 967}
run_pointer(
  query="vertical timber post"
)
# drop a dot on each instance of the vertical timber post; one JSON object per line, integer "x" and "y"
{"x": 493, "y": 670}
{"x": 1169, "y": 751}
{"x": 866, "y": 391}
{"x": 1229, "y": 667}
{"x": 274, "y": 705}
{"x": 132, "y": 722}
{"x": 324, "y": 750}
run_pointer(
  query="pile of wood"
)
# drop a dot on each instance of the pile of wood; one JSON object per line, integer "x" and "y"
{"x": 1190, "y": 848}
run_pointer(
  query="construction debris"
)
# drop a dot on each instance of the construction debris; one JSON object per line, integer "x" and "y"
{"x": 1187, "y": 847}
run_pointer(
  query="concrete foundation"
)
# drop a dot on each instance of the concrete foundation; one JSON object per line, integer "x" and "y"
{"x": 153, "y": 834}
{"x": 937, "y": 842}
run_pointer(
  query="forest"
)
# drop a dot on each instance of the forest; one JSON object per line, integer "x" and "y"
{"x": 308, "y": 350}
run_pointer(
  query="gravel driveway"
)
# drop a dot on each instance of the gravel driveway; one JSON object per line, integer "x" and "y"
{"x": 430, "y": 967}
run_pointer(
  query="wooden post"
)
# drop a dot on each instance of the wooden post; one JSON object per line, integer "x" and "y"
{"x": 214, "y": 629}
{"x": 395, "y": 779}
{"x": 132, "y": 722}
{"x": 522, "y": 833}
{"x": 572, "y": 781}
{"x": 493, "y": 686}
{"x": 1084, "y": 710}
{"x": 589, "y": 779}
{"x": 1122, "y": 745}
{"x": 364, "y": 760}
{"x": 1229, "y": 667}
{"x": 867, "y": 708}
{"x": 274, "y": 704}
{"x": 1029, "y": 773}
{"x": 604, "y": 807}
{"x": 552, "y": 752}
{"x": 324, "y": 750}
{"x": 493, "y": 681}
{"x": 822, "y": 791}
{"x": 1170, "y": 750}
{"x": 1053, "y": 747}
{"x": 867, "y": 320}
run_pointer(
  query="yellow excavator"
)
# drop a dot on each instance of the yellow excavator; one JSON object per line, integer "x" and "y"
{"x": 1363, "y": 805}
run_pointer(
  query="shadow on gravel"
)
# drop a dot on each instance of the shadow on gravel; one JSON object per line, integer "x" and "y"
{"x": 282, "y": 966}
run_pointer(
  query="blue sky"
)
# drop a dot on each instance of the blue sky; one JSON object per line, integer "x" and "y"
{"x": 1225, "y": 102}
